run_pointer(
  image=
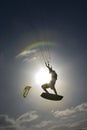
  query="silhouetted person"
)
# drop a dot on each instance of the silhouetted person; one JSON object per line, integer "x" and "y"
{"x": 51, "y": 84}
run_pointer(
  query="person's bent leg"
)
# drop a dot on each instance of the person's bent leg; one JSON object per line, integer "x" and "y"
{"x": 55, "y": 90}
{"x": 44, "y": 87}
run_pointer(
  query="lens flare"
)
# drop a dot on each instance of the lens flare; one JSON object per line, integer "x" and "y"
{"x": 42, "y": 76}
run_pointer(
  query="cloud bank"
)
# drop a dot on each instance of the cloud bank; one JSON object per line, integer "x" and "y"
{"x": 74, "y": 118}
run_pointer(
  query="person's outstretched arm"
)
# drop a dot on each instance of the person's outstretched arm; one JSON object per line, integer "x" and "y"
{"x": 47, "y": 65}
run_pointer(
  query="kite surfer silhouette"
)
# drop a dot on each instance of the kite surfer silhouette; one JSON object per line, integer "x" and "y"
{"x": 51, "y": 84}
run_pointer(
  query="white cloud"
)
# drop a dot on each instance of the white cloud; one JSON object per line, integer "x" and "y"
{"x": 26, "y": 53}
{"x": 71, "y": 111}
{"x": 74, "y": 118}
{"x": 66, "y": 112}
{"x": 43, "y": 124}
{"x": 6, "y": 121}
{"x": 27, "y": 117}
{"x": 81, "y": 107}
{"x": 27, "y": 56}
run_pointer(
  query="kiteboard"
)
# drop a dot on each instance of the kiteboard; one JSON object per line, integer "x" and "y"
{"x": 51, "y": 96}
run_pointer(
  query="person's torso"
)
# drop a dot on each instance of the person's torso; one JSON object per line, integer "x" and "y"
{"x": 54, "y": 75}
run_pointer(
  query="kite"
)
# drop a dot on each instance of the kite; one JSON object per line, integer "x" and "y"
{"x": 26, "y": 91}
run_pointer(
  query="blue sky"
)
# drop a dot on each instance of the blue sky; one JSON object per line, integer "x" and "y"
{"x": 23, "y": 23}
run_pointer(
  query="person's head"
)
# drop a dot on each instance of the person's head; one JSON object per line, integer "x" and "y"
{"x": 50, "y": 70}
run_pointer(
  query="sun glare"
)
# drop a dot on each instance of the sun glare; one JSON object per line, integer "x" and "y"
{"x": 42, "y": 76}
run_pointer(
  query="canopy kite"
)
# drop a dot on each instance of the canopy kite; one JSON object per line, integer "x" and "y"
{"x": 26, "y": 91}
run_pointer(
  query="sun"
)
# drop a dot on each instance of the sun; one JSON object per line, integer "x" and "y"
{"x": 42, "y": 76}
